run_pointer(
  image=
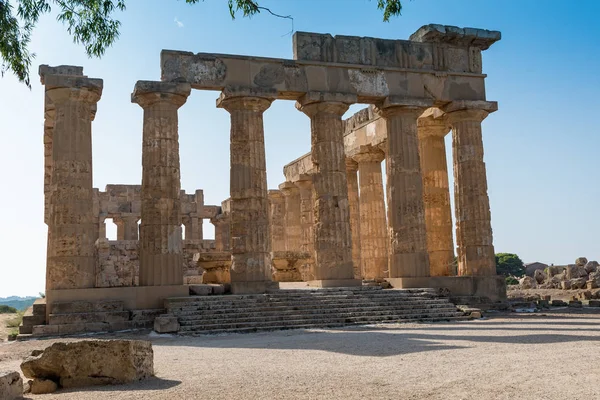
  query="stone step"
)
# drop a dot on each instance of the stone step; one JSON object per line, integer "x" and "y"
{"x": 319, "y": 322}
{"x": 89, "y": 327}
{"x": 302, "y": 304}
{"x": 302, "y": 316}
{"x": 313, "y": 326}
{"x": 304, "y": 309}
{"x": 88, "y": 317}
{"x": 76, "y": 307}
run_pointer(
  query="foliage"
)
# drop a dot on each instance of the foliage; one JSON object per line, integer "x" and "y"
{"x": 42, "y": 295}
{"x": 4, "y": 309}
{"x": 92, "y": 24}
{"x": 511, "y": 280}
{"x": 16, "y": 321}
{"x": 509, "y": 264}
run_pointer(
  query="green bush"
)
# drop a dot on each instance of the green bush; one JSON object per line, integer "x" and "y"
{"x": 508, "y": 264}
{"x": 7, "y": 309}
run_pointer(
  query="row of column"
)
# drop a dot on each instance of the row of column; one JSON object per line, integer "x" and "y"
{"x": 326, "y": 216}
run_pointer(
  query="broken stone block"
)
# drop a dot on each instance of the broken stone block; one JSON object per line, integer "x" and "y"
{"x": 581, "y": 261}
{"x": 200, "y": 290}
{"x": 527, "y": 282}
{"x": 594, "y": 303}
{"x": 575, "y": 304}
{"x": 543, "y": 303}
{"x": 43, "y": 386}
{"x": 586, "y": 295}
{"x": 91, "y": 362}
{"x": 558, "y": 303}
{"x": 166, "y": 324}
{"x": 591, "y": 266}
{"x": 11, "y": 385}
{"x": 539, "y": 276}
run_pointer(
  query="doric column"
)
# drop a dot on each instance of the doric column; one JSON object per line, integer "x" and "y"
{"x": 293, "y": 229}
{"x": 472, "y": 205}
{"x": 127, "y": 227}
{"x": 161, "y": 254}
{"x": 194, "y": 232}
{"x": 432, "y": 127}
{"x": 406, "y": 218}
{"x": 305, "y": 190}
{"x": 101, "y": 228}
{"x": 249, "y": 212}
{"x": 353, "y": 204}
{"x": 332, "y": 233}
{"x": 373, "y": 225}
{"x": 72, "y": 227}
{"x": 222, "y": 238}
{"x": 277, "y": 218}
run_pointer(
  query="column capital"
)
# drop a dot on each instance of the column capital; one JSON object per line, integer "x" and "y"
{"x": 61, "y": 88}
{"x": 288, "y": 188}
{"x": 433, "y": 122}
{"x": 147, "y": 93}
{"x": 351, "y": 165}
{"x": 394, "y": 105}
{"x": 240, "y": 98}
{"x": 469, "y": 110}
{"x": 275, "y": 193}
{"x": 313, "y": 103}
{"x": 304, "y": 181}
{"x": 369, "y": 153}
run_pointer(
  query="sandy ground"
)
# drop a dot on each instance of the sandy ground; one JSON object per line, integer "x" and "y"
{"x": 531, "y": 356}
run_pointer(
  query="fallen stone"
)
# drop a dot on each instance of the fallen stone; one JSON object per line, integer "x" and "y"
{"x": 581, "y": 261}
{"x": 586, "y": 295}
{"x": 558, "y": 303}
{"x": 543, "y": 303}
{"x": 43, "y": 386}
{"x": 11, "y": 385}
{"x": 575, "y": 271}
{"x": 200, "y": 290}
{"x": 527, "y": 282}
{"x": 579, "y": 283}
{"x": 218, "y": 289}
{"x": 594, "y": 303}
{"x": 166, "y": 324}
{"x": 575, "y": 304}
{"x": 539, "y": 276}
{"x": 475, "y": 314}
{"x": 91, "y": 362}
{"x": 591, "y": 266}
{"x": 565, "y": 285}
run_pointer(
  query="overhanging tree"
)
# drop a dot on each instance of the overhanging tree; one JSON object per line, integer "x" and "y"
{"x": 509, "y": 264}
{"x": 92, "y": 23}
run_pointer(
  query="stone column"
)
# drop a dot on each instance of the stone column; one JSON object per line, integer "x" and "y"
{"x": 161, "y": 253}
{"x": 194, "y": 230}
{"x": 127, "y": 227}
{"x": 277, "y": 218}
{"x": 332, "y": 233}
{"x": 406, "y": 217}
{"x": 72, "y": 227}
{"x": 432, "y": 128}
{"x": 101, "y": 228}
{"x": 293, "y": 229}
{"x": 472, "y": 205}
{"x": 307, "y": 218}
{"x": 373, "y": 224}
{"x": 221, "y": 223}
{"x": 353, "y": 204}
{"x": 249, "y": 213}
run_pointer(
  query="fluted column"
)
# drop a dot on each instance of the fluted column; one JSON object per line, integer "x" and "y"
{"x": 373, "y": 224}
{"x": 406, "y": 218}
{"x": 277, "y": 218}
{"x": 127, "y": 227}
{"x": 72, "y": 225}
{"x": 472, "y": 205}
{"x": 432, "y": 128}
{"x": 293, "y": 229}
{"x": 307, "y": 216}
{"x": 161, "y": 253}
{"x": 332, "y": 233}
{"x": 353, "y": 204}
{"x": 249, "y": 213}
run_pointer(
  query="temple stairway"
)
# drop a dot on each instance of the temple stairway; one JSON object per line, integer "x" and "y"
{"x": 309, "y": 308}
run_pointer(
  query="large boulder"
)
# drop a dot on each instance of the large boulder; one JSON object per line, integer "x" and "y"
{"x": 527, "y": 282}
{"x": 576, "y": 271}
{"x": 11, "y": 385}
{"x": 579, "y": 283}
{"x": 591, "y": 266}
{"x": 91, "y": 362}
{"x": 581, "y": 261}
{"x": 539, "y": 276}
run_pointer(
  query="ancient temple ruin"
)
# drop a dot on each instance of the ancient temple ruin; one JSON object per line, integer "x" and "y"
{"x": 331, "y": 223}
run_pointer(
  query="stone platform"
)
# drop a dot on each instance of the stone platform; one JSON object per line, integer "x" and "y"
{"x": 308, "y": 308}
{"x": 491, "y": 287}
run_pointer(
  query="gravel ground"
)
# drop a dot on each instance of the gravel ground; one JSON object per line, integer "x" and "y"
{"x": 532, "y": 356}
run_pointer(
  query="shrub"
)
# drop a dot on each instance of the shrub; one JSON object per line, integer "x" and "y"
{"x": 4, "y": 309}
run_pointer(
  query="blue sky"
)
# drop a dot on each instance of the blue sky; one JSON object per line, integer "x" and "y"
{"x": 541, "y": 147}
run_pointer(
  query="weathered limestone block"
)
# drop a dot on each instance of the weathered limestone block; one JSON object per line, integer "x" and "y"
{"x": 43, "y": 386}
{"x": 307, "y": 222}
{"x": 91, "y": 362}
{"x": 11, "y": 385}
{"x": 166, "y": 324}
{"x": 539, "y": 276}
{"x": 287, "y": 266}
{"x": 527, "y": 282}
{"x": 249, "y": 206}
{"x": 575, "y": 271}
{"x": 72, "y": 227}
{"x": 277, "y": 219}
{"x": 581, "y": 261}
{"x": 332, "y": 232}
{"x": 118, "y": 263}
{"x": 591, "y": 266}
{"x": 432, "y": 128}
{"x": 161, "y": 256}
{"x": 216, "y": 266}
{"x": 472, "y": 204}
{"x": 292, "y": 220}
{"x": 407, "y": 233}
{"x": 373, "y": 225}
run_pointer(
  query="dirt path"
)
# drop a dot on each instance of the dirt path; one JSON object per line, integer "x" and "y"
{"x": 535, "y": 356}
